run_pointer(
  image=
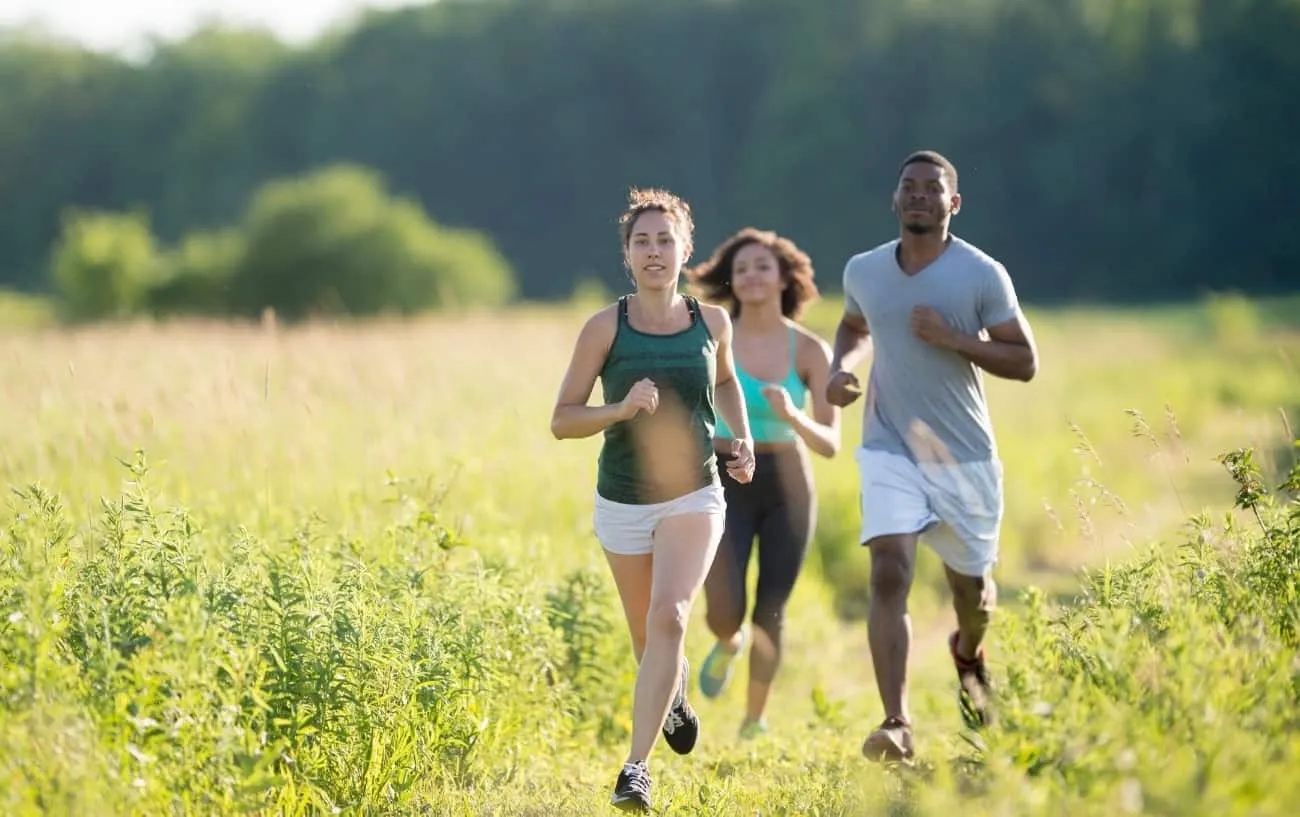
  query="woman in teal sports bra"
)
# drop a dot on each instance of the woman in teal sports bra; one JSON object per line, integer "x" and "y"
{"x": 664, "y": 361}
{"x": 766, "y": 281}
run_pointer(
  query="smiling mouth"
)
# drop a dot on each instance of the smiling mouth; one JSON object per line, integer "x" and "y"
{"x": 654, "y": 268}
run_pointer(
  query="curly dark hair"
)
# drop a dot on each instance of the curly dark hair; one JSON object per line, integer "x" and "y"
{"x": 641, "y": 200}
{"x": 712, "y": 279}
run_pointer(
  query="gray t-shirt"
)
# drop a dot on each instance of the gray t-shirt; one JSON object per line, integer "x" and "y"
{"x": 924, "y": 402}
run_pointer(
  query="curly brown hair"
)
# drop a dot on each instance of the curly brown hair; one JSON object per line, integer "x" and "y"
{"x": 712, "y": 279}
{"x": 641, "y": 200}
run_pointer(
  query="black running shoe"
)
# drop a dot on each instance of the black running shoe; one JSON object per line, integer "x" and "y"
{"x": 632, "y": 791}
{"x": 682, "y": 725}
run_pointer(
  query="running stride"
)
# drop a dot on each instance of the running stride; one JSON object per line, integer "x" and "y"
{"x": 766, "y": 281}
{"x": 940, "y": 310}
{"x": 663, "y": 360}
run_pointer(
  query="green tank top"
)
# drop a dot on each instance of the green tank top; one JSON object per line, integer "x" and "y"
{"x": 764, "y": 425}
{"x": 657, "y": 457}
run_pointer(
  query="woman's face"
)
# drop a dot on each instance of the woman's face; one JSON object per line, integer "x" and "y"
{"x": 655, "y": 251}
{"x": 756, "y": 275}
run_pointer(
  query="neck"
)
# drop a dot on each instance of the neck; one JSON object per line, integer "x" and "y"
{"x": 657, "y": 304}
{"x": 759, "y": 318}
{"x": 918, "y": 250}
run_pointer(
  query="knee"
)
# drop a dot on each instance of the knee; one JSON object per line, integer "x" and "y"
{"x": 770, "y": 620}
{"x": 724, "y": 617}
{"x": 667, "y": 618}
{"x": 765, "y": 656}
{"x": 891, "y": 574}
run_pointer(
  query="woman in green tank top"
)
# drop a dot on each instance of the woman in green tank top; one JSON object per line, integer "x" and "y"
{"x": 664, "y": 361}
{"x": 766, "y": 281}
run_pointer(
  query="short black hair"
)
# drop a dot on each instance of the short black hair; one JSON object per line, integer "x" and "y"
{"x": 932, "y": 157}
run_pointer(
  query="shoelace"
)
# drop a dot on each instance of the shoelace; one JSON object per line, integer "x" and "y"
{"x": 673, "y": 721}
{"x": 637, "y": 779}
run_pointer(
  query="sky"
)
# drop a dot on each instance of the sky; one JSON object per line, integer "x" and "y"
{"x": 122, "y": 26}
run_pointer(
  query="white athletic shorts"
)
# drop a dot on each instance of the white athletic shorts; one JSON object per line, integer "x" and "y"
{"x": 629, "y": 530}
{"x": 956, "y": 507}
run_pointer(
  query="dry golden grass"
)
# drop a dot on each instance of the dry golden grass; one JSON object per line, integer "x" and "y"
{"x": 258, "y": 428}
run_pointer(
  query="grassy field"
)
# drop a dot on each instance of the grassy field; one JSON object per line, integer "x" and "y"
{"x": 346, "y": 569}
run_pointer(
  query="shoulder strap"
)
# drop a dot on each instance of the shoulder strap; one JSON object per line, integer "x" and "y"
{"x": 793, "y": 372}
{"x": 694, "y": 306}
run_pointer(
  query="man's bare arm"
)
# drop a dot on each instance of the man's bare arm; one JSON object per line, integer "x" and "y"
{"x": 852, "y": 342}
{"x": 1009, "y": 352}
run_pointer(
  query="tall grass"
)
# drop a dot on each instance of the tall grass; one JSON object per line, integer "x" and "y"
{"x": 343, "y": 570}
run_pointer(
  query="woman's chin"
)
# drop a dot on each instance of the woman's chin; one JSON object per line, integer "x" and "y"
{"x": 656, "y": 282}
{"x": 755, "y": 301}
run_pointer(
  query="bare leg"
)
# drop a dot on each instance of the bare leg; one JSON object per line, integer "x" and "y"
{"x": 889, "y": 625}
{"x": 632, "y": 577}
{"x": 684, "y": 547}
{"x": 974, "y": 599}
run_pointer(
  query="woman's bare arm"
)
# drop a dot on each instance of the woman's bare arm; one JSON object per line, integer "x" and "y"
{"x": 572, "y": 417}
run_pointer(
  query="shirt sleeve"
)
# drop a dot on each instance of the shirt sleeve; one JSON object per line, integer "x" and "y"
{"x": 998, "y": 300}
{"x": 851, "y": 305}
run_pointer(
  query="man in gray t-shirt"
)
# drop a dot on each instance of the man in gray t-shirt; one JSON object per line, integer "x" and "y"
{"x": 937, "y": 313}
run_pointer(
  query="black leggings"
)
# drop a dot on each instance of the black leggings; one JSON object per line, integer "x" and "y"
{"x": 779, "y": 508}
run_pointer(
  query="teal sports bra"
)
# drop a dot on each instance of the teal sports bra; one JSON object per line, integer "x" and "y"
{"x": 764, "y": 425}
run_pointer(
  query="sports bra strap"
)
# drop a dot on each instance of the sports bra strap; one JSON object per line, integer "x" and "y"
{"x": 694, "y": 306}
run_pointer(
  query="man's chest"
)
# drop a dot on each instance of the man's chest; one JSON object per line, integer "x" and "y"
{"x": 888, "y": 302}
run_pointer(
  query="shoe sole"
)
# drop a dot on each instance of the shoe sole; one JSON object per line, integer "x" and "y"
{"x": 976, "y": 711}
{"x": 706, "y": 680}
{"x": 630, "y": 804}
{"x": 975, "y": 718}
{"x": 884, "y": 749}
{"x": 685, "y": 750}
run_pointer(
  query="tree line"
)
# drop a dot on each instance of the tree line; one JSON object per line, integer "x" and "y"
{"x": 1107, "y": 149}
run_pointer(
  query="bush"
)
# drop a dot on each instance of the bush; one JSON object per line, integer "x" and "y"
{"x": 1169, "y": 676}
{"x": 103, "y": 264}
{"x": 197, "y": 274}
{"x": 156, "y": 667}
{"x": 330, "y": 242}
{"x": 335, "y": 242}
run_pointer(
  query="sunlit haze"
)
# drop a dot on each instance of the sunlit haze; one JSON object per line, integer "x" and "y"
{"x": 125, "y": 26}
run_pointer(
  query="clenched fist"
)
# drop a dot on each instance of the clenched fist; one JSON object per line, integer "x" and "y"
{"x": 929, "y": 326}
{"x": 643, "y": 396}
{"x": 843, "y": 388}
{"x": 779, "y": 401}
{"x": 741, "y": 465}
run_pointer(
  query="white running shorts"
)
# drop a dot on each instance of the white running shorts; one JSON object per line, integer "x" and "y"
{"x": 629, "y": 530}
{"x": 956, "y": 507}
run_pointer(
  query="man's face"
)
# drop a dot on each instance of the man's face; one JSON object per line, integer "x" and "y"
{"x": 924, "y": 199}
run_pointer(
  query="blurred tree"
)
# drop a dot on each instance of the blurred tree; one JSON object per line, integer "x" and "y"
{"x": 1109, "y": 149}
{"x": 196, "y": 275}
{"x": 335, "y": 241}
{"x": 103, "y": 264}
